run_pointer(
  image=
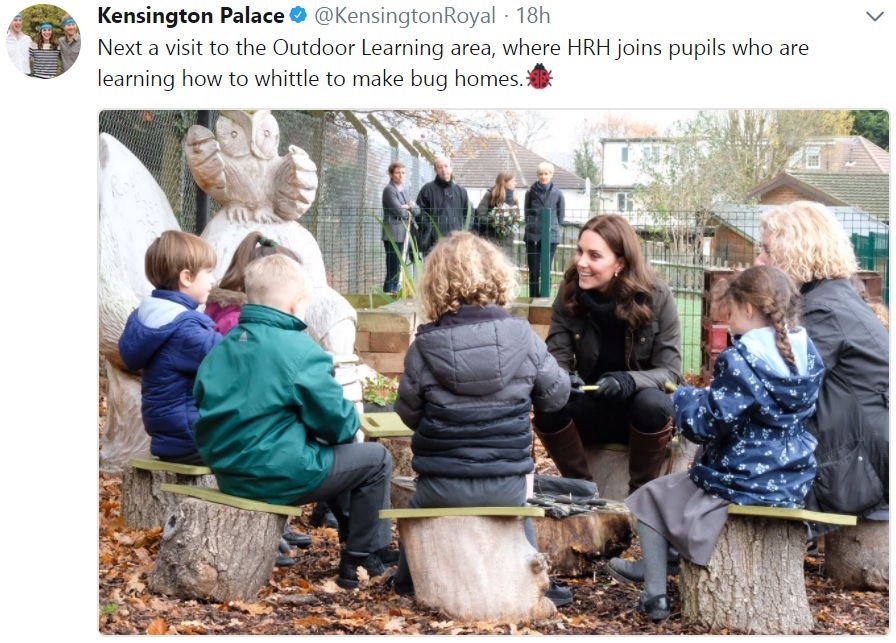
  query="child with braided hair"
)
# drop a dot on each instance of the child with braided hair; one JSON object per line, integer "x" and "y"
{"x": 751, "y": 423}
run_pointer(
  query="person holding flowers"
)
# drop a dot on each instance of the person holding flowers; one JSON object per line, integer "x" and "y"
{"x": 498, "y": 215}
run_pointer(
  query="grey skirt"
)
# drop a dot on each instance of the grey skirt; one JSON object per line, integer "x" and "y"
{"x": 690, "y": 518}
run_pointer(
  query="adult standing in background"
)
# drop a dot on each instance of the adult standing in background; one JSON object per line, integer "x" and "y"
{"x": 18, "y": 46}
{"x": 45, "y": 53}
{"x": 614, "y": 324}
{"x": 397, "y": 210}
{"x": 540, "y": 195}
{"x": 498, "y": 211}
{"x": 443, "y": 204}
{"x": 70, "y": 45}
{"x": 851, "y": 420}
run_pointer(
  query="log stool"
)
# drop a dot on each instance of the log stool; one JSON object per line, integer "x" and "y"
{"x": 608, "y": 464}
{"x": 143, "y": 503}
{"x": 570, "y": 543}
{"x": 216, "y": 546}
{"x": 859, "y": 557}
{"x": 391, "y": 432}
{"x": 474, "y": 563}
{"x": 754, "y": 581}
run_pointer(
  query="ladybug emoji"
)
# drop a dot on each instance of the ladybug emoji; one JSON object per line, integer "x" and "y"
{"x": 539, "y": 78}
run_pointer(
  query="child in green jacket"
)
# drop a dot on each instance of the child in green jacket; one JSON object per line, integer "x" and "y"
{"x": 274, "y": 425}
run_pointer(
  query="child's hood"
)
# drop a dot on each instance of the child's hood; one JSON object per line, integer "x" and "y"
{"x": 147, "y": 329}
{"x": 790, "y": 392}
{"x": 478, "y": 355}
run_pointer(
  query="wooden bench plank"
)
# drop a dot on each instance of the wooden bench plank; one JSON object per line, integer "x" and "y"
{"x": 440, "y": 512}
{"x": 791, "y": 514}
{"x": 384, "y": 425}
{"x": 213, "y": 495}
{"x": 153, "y": 464}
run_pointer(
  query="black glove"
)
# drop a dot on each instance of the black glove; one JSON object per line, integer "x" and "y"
{"x": 575, "y": 385}
{"x": 618, "y": 386}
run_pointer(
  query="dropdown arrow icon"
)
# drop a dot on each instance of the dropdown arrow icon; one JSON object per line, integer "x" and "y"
{"x": 874, "y": 18}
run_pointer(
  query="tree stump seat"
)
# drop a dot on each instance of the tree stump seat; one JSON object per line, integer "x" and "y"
{"x": 859, "y": 557}
{"x": 474, "y": 563}
{"x": 571, "y": 543}
{"x": 754, "y": 581}
{"x": 388, "y": 429}
{"x": 216, "y": 546}
{"x": 143, "y": 503}
{"x": 608, "y": 464}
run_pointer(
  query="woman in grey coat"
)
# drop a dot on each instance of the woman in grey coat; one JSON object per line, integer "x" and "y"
{"x": 398, "y": 208}
{"x": 851, "y": 421}
{"x": 471, "y": 377}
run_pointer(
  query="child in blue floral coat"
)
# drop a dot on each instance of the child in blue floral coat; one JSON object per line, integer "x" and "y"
{"x": 751, "y": 423}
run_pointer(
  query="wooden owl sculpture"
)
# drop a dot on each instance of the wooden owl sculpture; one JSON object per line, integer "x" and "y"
{"x": 238, "y": 166}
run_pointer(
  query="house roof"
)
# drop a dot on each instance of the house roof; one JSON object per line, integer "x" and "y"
{"x": 848, "y": 154}
{"x": 868, "y": 192}
{"x": 744, "y": 219}
{"x": 486, "y": 157}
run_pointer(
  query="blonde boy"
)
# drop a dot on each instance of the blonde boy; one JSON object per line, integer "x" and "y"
{"x": 275, "y": 426}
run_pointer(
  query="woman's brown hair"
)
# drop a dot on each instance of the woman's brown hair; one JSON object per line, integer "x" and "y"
{"x": 632, "y": 287}
{"x": 254, "y": 246}
{"x": 499, "y": 192}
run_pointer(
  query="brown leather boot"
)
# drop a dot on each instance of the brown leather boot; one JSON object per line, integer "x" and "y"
{"x": 646, "y": 452}
{"x": 566, "y": 450}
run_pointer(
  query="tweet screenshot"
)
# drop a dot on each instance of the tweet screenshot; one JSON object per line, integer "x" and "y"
{"x": 409, "y": 318}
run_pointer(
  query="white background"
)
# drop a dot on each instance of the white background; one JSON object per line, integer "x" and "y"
{"x": 49, "y": 325}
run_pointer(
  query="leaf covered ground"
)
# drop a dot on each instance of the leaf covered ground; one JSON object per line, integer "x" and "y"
{"x": 304, "y": 599}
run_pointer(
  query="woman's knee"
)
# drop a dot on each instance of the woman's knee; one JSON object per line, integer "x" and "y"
{"x": 651, "y": 410}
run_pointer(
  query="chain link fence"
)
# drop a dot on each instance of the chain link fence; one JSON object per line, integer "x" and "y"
{"x": 353, "y": 158}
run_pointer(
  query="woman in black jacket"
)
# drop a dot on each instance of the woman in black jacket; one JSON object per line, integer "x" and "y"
{"x": 851, "y": 421}
{"x": 614, "y": 325}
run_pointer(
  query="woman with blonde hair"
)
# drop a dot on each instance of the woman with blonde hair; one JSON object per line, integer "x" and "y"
{"x": 471, "y": 377}
{"x": 542, "y": 194}
{"x": 851, "y": 422}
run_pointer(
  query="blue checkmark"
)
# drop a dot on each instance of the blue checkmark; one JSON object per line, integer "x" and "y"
{"x": 298, "y": 14}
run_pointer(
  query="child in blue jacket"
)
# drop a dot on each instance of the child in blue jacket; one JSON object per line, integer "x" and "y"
{"x": 167, "y": 337}
{"x": 751, "y": 423}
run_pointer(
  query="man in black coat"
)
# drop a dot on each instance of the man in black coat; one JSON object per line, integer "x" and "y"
{"x": 443, "y": 206}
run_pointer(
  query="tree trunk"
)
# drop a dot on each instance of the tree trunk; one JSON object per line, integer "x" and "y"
{"x": 215, "y": 552}
{"x": 476, "y": 568}
{"x": 859, "y": 557}
{"x": 144, "y": 505}
{"x": 754, "y": 581}
{"x": 123, "y": 436}
{"x": 570, "y": 543}
{"x": 609, "y": 466}
{"x": 400, "y": 450}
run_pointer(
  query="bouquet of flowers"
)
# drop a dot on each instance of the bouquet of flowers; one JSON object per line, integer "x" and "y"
{"x": 505, "y": 219}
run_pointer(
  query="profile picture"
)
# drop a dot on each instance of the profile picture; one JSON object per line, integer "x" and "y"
{"x": 43, "y": 41}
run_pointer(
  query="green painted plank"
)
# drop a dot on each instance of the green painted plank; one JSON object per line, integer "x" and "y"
{"x": 791, "y": 514}
{"x": 384, "y": 425}
{"x": 152, "y": 464}
{"x": 221, "y": 498}
{"x": 440, "y": 512}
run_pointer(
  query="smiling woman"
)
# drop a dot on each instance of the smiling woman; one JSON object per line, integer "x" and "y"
{"x": 615, "y": 328}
